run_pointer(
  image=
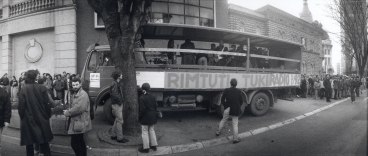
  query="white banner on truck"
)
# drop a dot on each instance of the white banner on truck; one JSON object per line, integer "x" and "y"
{"x": 201, "y": 80}
{"x": 187, "y": 80}
{"x": 155, "y": 79}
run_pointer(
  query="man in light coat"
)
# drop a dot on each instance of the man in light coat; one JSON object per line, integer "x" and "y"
{"x": 79, "y": 118}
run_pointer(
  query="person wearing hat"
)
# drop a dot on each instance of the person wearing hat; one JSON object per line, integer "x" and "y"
{"x": 147, "y": 118}
{"x": 231, "y": 100}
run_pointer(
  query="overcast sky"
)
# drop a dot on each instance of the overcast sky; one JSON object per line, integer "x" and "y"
{"x": 320, "y": 12}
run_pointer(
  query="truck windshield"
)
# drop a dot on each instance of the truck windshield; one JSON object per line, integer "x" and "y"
{"x": 98, "y": 59}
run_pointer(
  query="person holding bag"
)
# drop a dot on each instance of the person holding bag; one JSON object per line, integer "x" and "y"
{"x": 79, "y": 118}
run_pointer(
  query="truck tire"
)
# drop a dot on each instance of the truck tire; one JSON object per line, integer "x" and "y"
{"x": 260, "y": 104}
{"x": 109, "y": 117}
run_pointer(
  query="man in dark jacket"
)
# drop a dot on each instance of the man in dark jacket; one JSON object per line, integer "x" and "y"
{"x": 303, "y": 87}
{"x": 328, "y": 88}
{"x": 148, "y": 118}
{"x": 232, "y": 100}
{"x": 117, "y": 108}
{"x": 336, "y": 86}
{"x": 59, "y": 86}
{"x": 35, "y": 113}
{"x": 358, "y": 83}
{"x": 188, "y": 58}
{"x": 5, "y": 110}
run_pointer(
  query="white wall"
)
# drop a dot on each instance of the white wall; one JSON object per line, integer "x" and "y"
{"x": 46, "y": 63}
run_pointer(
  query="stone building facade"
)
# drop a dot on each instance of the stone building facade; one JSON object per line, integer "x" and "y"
{"x": 38, "y": 34}
{"x": 275, "y": 23}
{"x": 326, "y": 47}
{"x": 53, "y": 35}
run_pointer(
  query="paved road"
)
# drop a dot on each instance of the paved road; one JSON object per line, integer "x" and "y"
{"x": 340, "y": 130}
{"x": 9, "y": 149}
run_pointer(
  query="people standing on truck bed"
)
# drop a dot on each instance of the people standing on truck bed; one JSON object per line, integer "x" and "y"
{"x": 231, "y": 100}
{"x": 117, "y": 108}
{"x": 171, "y": 55}
{"x": 188, "y": 58}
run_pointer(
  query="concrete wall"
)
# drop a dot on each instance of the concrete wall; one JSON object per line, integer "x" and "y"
{"x": 221, "y": 13}
{"x": 248, "y": 24}
{"x": 87, "y": 34}
{"x": 19, "y": 43}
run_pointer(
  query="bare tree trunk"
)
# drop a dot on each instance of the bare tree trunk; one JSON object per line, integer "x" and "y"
{"x": 122, "y": 20}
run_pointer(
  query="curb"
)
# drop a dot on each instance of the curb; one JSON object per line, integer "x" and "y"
{"x": 164, "y": 150}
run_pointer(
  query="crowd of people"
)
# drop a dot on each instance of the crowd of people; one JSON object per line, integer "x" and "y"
{"x": 36, "y": 95}
{"x": 208, "y": 59}
{"x": 331, "y": 87}
{"x": 59, "y": 86}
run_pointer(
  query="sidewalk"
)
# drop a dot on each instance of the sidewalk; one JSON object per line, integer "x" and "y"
{"x": 182, "y": 131}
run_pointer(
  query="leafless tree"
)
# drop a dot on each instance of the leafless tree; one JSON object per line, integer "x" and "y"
{"x": 123, "y": 19}
{"x": 352, "y": 17}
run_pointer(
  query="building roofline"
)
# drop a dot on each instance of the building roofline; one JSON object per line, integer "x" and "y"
{"x": 246, "y": 11}
{"x": 263, "y": 9}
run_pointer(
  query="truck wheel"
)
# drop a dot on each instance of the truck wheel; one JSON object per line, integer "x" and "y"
{"x": 244, "y": 104}
{"x": 218, "y": 105}
{"x": 260, "y": 104}
{"x": 108, "y": 112}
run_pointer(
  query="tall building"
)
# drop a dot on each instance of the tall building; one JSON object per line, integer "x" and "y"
{"x": 326, "y": 48}
{"x": 273, "y": 22}
{"x": 338, "y": 68}
{"x": 306, "y": 15}
{"x": 38, "y": 35}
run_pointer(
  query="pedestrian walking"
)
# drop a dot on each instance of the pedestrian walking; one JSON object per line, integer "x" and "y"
{"x": 231, "y": 100}
{"x": 311, "y": 86}
{"x": 34, "y": 111}
{"x": 79, "y": 121}
{"x": 117, "y": 108}
{"x": 336, "y": 86}
{"x": 303, "y": 87}
{"x": 358, "y": 83}
{"x": 14, "y": 89}
{"x": 352, "y": 89}
{"x": 317, "y": 87}
{"x": 5, "y": 111}
{"x": 148, "y": 119}
{"x": 328, "y": 89}
{"x": 322, "y": 90}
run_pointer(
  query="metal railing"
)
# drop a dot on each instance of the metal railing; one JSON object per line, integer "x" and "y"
{"x": 30, "y": 6}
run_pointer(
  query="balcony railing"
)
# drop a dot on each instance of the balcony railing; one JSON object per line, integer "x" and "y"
{"x": 31, "y": 6}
